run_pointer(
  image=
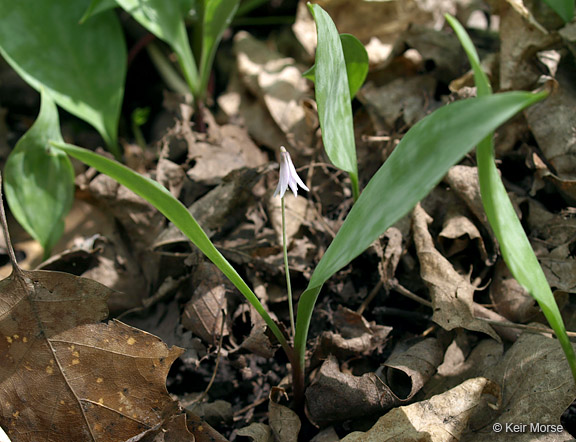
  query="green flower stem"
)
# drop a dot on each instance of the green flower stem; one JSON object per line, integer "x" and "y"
{"x": 355, "y": 186}
{"x": 286, "y": 268}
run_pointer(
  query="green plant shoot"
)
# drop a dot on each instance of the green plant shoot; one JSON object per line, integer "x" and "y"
{"x": 415, "y": 166}
{"x": 39, "y": 180}
{"x": 514, "y": 244}
{"x": 333, "y": 97}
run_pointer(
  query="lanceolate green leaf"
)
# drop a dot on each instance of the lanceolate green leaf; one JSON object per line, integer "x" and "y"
{"x": 514, "y": 244}
{"x": 333, "y": 97}
{"x": 83, "y": 66}
{"x": 564, "y": 8}
{"x": 218, "y": 15}
{"x": 96, "y": 7}
{"x": 39, "y": 180}
{"x": 417, "y": 164}
{"x": 357, "y": 63}
{"x": 165, "y": 19}
{"x": 176, "y": 212}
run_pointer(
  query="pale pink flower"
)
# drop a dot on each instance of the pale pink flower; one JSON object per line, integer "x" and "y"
{"x": 288, "y": 175}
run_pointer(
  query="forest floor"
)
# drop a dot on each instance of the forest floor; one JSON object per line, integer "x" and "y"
{"x": 425, "y": 334}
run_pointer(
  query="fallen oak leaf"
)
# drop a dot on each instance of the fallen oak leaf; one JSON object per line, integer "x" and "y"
{"x": 64, "y": 375}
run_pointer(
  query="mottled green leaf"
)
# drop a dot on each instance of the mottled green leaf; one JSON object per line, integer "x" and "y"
{"x": 356, "y": 59}
{"x": 514, "y": 244}
{"x": 333, "y": 97}
{"x": 39, "y": 180}
{"x": 415, "y": 166}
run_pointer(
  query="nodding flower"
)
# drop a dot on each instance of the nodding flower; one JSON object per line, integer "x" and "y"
{"x": 288, "y": 175}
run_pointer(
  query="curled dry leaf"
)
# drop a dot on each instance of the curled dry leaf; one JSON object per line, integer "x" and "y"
{"x": 65, "y": 376}
{"x": 442, "y": 418}
{"x": 407, "y": 371}
{"x": 458, "y": 231}
{"x": 336, "y": 396}
{"x": 356, "y": 336}
{"x": 452, "y": 295}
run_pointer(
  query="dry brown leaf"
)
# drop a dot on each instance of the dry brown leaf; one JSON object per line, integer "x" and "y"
{"x": 356, "y": 336}
{"x": 463, "y": 180}
{"x": 407, "y": 370}
{"x": 552, "y": 123}
{"x": 442, "y": 418}
{"x": 376, "y": 22}
{"x": 452, "y": 295}
{"x": 221, "y": 209}
{"x": 458, "y": 231}
{"x": 510, "y": 299}
{"x": 326, "y": 435}
{"x": 409, "y": 98}
{"x": 296, "y": 212}
{"x": 257, "y": 432}
{"x": 67, "y": 377}
{"x": 204, "y": 314}
{"x": 520, "y": 41}
{"x": 335, "y": 396}
{"x": 141, "y": 221}
{"x": 279, "y": 86}
{"x": 241, "y": 106}
{"x": 536, "y": 388}
{"x": 216, "y": 157}
{"x": 284, "y": 422}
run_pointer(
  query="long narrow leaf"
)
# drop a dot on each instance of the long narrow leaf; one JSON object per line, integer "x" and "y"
{"x": 83, "y": 66}
{"x": 176, "y": 212}
{"x": 417, "y": 164}
{"x": 514, "y": 244}
{"x": 333, "y": 97}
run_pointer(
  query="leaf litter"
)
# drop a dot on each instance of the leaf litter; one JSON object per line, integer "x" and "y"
{"x": 403, "y": 346}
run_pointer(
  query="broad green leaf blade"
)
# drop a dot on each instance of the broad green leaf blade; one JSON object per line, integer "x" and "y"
{"x": 417, "y": 164}
{"x": 82, "y": 66}
{"x": 333, "y": 94}
{"x": 165, "y": 19}
{"x": 39, "y": 180}
{"x": 514, "y": 244}
{"x": 218, "y": 15}
{"x": 356, "y": 59}
{"x": 96, "y": 7}
{"x": 177, "y": 213}
{"x": 564, "y": 8}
